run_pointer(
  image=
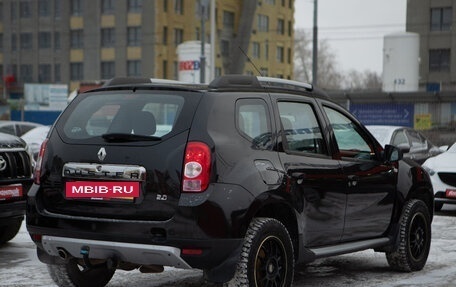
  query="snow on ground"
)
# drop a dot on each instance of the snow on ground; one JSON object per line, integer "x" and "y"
{"x": 20, "y": 267}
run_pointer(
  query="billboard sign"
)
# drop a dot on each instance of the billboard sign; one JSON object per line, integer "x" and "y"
{"x": 384, "y": 114}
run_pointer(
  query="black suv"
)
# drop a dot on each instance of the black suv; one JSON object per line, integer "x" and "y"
{"x": 242, "y": 178}
{"x": 15, "y": 181}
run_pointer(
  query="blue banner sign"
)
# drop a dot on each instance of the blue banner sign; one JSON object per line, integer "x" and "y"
{"x": 384, "y": 114}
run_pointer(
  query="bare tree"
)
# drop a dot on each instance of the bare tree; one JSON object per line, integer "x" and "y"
{"x": 328, "y": 75}
{"x": 367, "y": 80}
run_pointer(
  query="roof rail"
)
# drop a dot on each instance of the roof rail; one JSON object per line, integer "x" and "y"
{"x": 245, "y": 81}
{"x": 126, "y": 81}
{"x": 283, "y": 83}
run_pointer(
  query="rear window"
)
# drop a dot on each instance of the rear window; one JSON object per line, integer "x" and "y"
{"x": 136, "y": 113}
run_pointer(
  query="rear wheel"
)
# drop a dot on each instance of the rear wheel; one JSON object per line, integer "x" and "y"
{"x": 267, "y": 257}
{"x": 9, "y": 231}
{"x": 73, "y": 274}
{"x": 414, "y": 238}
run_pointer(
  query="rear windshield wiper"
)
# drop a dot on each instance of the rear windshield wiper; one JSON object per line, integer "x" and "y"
{"x": 120, "y": 137}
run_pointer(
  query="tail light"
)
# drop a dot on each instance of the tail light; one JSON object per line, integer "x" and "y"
{"x": 39, "y": 162}
{"x": 197, "y": 167}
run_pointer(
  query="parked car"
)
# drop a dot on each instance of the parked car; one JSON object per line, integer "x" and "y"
{"x": 15, "y": 181}
{"x": 243, "y": 178}
{"x": 413, "y": 144}
{"x": 442, "y": 169}
{"x": 17, "y": 128}
{"x": 34, "y": 138}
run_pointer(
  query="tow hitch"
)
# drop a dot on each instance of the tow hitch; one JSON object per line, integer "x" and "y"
{"x": 111, "y": 263}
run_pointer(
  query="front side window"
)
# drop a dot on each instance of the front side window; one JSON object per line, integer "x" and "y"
{"x": 253, "y": 122}
{"x": 300, "y": 129}
{"x": 349, "y": 137}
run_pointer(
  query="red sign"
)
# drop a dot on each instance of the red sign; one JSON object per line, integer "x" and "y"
{"x": 451, "y": 193}
{"x": 95, "y": 189}
{"x": 189, "y": 65}
{"x": 9, "y": 191}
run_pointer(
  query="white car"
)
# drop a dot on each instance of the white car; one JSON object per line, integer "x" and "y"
{"x": 413, "y": 144}
{"x": 34, "y": 138}
{"x": 442, "y": 169}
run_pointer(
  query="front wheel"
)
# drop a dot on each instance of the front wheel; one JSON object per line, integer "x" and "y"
{"x": 414, "y": 238}
{"x": 72, "y": 274}
{"x": 267, "y": 257}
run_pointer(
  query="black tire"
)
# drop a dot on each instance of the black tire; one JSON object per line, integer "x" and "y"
{"x": 267, "y": 257}
{"x": 71, "y": 275}
{"x": 9, "y": 231}
{"x": 438, "y": 206}
{"x": 414, "y": 238}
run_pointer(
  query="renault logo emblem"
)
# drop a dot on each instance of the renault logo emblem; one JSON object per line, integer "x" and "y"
{"x": 101, "y": 154}
{"x": 2, "y": 163}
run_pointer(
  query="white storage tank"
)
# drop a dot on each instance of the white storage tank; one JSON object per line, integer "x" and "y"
{"x": 189, "y": 56}
{"x": 401, "y": 57}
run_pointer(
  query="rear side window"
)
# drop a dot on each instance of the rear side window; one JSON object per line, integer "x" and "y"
{"x": 140, "y": 114}
{"x": 300, "y": 128}
{"x": 253, "y": 122}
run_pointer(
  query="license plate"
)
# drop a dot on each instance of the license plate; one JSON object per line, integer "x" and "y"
{"x": 95, "y": 190}
{"x": 10, "y": 191}
{"x": 451, "y": 193}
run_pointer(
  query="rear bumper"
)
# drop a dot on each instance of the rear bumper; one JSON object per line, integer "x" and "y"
{"x": 440, "y": 197}
{"x": 141, "y": 254}
{"x": 12, "y": 210}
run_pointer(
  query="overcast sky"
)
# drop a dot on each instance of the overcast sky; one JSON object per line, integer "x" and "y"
{"x": 354, "y": 28}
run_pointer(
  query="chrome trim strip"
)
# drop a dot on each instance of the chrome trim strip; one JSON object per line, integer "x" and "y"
{"x": 78, "y": 170}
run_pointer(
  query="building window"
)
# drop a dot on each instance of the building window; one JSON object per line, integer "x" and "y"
{"x": 44, "y": 40}
{"x": 280, "y": 26}
{"x": 178, "y": 36}
{"x": 1, "y": 11}
{"x": 165, "y": 69}
{"x": 441, "y": 19}
{"x": 263, "y": 23}
{"x": 134, "y": 68}
{"x": 175, "y": 70}
{"x": 76, "y": 7}
{"x": 264, "y": 72}
{"x": 57, "y": 43}
{"x": 439, "y": 60}
{"x": 76, "y": 72}
{"x": 13, "y": 11}
{"x": 289, "y": 56}
{"x": 134, "y": 36}
{"x": 108, "y": 70}
{"x": 26, "y": 71}
{"x": 44, "y": 73}
{"x": 108, "y": 37}
{"x": 57, "y": 9}
{"x": 225, "y": 47}
{"x": 165, "y": 5}
{"x": 25, "y": 9}
{"x": 279, "y": 55}
{"x": 228, "y": 20}
{"x": 107, "y": 6}
{"x": 165, "y": 35}
{"x": 57, "y": 74}
{"x": 1, "y": 42}
{"x": 44, "y": 8}
{"x": 76, "y": 39}
{"x": 26, "y": 41}
{"x": 179, "y": 7}
{"x": 256, "y": 50}
{"x": 134, "y": 6}
{"x": 290, "y": 28}
{"x": 270, "y": 2}
{"x": 13, "y": 42}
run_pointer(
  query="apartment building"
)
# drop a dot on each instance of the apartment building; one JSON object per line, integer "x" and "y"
{"x": 55, "y": 41}
{"x": 433, "y": 21}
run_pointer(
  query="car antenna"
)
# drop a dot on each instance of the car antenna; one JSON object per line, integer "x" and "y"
{"x": 250, "y": 61}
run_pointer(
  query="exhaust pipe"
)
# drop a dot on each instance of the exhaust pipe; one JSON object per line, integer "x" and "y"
{"x": 63, "y": 254}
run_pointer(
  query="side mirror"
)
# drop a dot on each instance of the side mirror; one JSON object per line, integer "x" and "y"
{"x": 392, "y": 153}
{"x": 405, "y": 148}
